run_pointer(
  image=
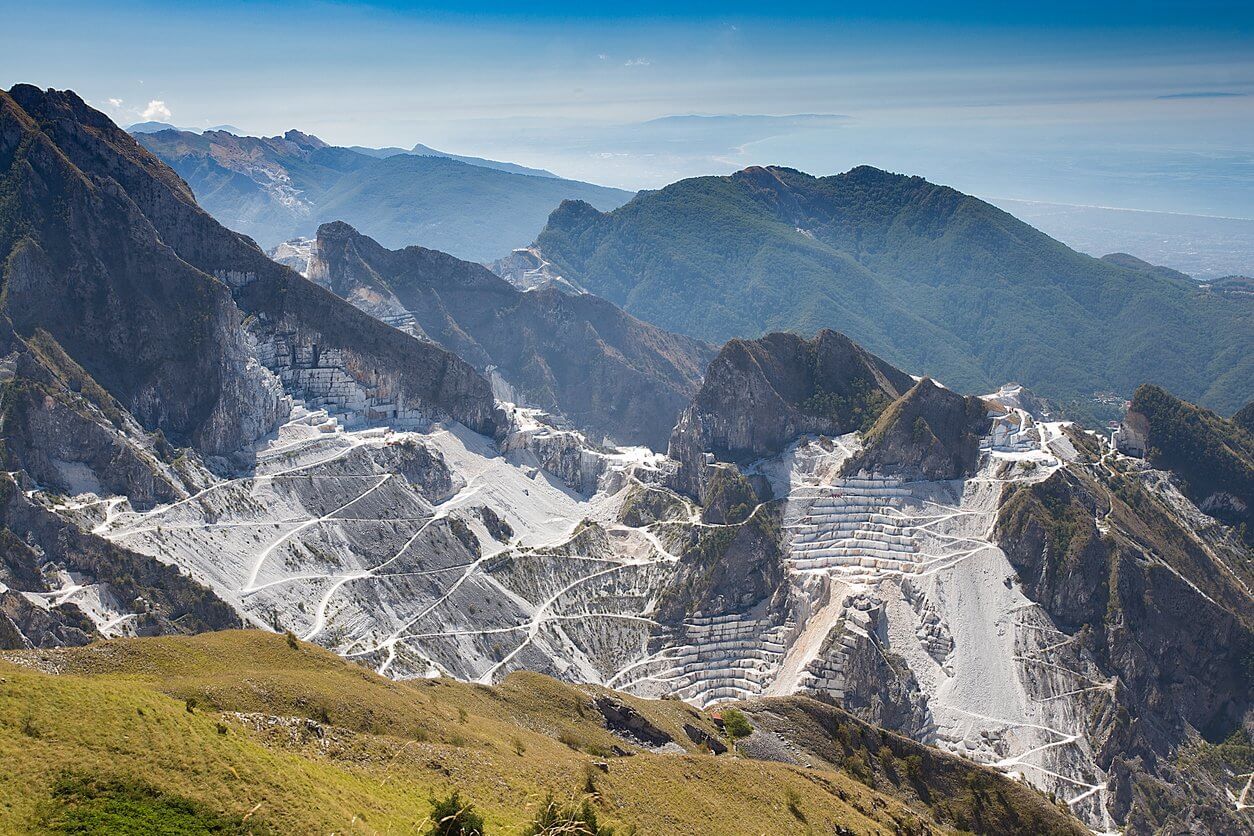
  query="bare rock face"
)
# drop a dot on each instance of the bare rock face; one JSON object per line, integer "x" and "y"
{"x": 274, "y": 299}
{"x": 759, "y": 395}
{"x": 25, "y": 625}
{"x": 1161, "y": 614}
{"x": 576, "y": 356}
{"x": 728, "y": 569}
{"x": 155, "y": 597}
{"x": 132, "y": 325}
{"x": 86, "y": 265}
{"x": 929, "y": 433}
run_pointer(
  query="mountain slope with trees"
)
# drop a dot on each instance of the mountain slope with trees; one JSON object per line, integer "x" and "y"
{"x": 927, "y": 277}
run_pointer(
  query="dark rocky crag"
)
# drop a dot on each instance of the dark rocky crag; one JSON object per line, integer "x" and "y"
{"x": 929, "y": 433}
{"x": 759, "y": 395}
{"x": 283, "y": 309}
{"x": 574, "y": 355}
{"x": 34, "y": 542}
{"x": 133, "y": 325}
{"x": 85, "y": 264}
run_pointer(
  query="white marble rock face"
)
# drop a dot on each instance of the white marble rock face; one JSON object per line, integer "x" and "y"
{"x": 336, "y": 537}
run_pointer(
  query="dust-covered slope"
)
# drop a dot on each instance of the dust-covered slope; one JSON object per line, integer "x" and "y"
{"x": 144, "y": 347}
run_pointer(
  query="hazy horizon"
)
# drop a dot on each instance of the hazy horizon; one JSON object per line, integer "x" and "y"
{"x": 1138, "y": 108}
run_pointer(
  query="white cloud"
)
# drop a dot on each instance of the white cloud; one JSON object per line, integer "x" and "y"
{"x": 115, "y": 103}
{"x": 637, "y": 62}
{"x": 603, "y": 56}
{"x": 156, "y": 110}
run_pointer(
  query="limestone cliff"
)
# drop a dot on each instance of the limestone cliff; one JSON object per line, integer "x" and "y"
{"x": 928, "y": 433}
{"x": 1157, "y": 616}
{"x": 392, "y": 370}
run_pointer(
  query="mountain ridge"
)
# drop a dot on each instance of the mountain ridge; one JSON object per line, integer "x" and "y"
{"x": 925, "y": 276}
{"x": 278, "y": 188}
{"x": 574, "y": 355}
{"x": 959, "y": 570}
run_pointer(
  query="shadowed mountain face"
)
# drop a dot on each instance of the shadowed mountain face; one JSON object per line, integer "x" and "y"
{"x": 277, "y": 188}
{"x": 131, "y": 322}
{"x": 85, "y": 264}
{"x": 83, "y": 147}
{"x": 760, "y": 395}
{"x": 576, "y": 355}
{"x": 926, "y": 277}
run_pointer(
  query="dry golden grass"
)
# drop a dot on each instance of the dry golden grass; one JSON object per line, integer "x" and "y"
{"x": 119, "y": 711}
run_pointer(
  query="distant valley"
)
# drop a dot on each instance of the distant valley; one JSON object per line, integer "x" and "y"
{"x": 1206, "y": 248}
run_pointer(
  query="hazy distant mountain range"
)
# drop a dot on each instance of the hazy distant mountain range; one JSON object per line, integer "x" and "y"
{"x": 426, "y": 151}
{"x": 157, "y": 127}
{"x": 1204, "y": 247}
{"x": 276, "y": 188}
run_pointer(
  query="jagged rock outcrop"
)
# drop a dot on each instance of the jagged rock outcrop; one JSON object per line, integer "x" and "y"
{"x": 152, "y": 596}
{"x": 1212, "y": 458}
{"x": 758, "y": 395}
{"x": 140, "y": 341}
{"x": 84, "y": 262}
{"x": 928, "y": 433}
{"x": 730, "y": 569}
{"x": 563, "y": 453}
{"x": 71, "y": 436}
{"x": 1157, "y": 609}
{"x": 575, "y": 355}
{"x": 24, "y": 624}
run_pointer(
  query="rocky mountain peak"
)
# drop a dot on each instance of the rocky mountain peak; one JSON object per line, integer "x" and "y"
{"x": 759, "y": 395}
{"x": 304, "y": 140}
{"x": 574, "y": 355}
{"x": 929, "y": 432}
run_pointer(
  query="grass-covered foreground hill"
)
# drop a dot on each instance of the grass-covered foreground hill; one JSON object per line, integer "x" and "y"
{"x": 926, "y": 277}
{"x": 246, "y": 732}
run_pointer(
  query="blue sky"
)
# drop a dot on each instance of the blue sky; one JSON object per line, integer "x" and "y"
{"x": 1145, "y": 105}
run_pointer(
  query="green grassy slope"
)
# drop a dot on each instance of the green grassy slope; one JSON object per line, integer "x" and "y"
{"x": 1212, "y": 457}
